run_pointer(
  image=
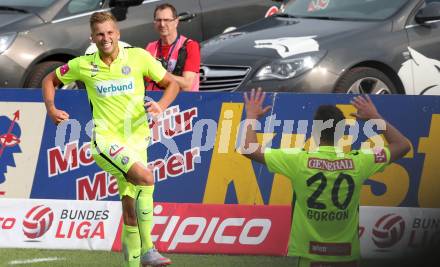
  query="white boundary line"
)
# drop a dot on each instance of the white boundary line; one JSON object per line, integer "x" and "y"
{"x": 17, "y": 262}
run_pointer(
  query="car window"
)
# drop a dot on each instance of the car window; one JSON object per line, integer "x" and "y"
{"x": 79, "y": 6}
{"x": 345, "y": 9}
{"x": 26, "y": 3}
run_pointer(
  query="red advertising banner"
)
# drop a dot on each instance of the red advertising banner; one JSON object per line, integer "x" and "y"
{"x": 220, "y": 229}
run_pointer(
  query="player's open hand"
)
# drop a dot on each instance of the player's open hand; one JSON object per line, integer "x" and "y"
{"x": 153, "y": 108}
{"x": 366, "y": 109}
{"x": 254, "y": 104}
{"x": 57, "y": 115}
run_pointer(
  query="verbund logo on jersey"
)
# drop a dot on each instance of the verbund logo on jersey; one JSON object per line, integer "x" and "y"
{"x": 115, "y": 87}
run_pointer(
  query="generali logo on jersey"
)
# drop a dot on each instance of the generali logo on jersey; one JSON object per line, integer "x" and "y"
{"x": 41, "y": 221}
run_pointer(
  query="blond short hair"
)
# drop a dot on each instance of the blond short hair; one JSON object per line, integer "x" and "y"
{"x": 100, "y": 17}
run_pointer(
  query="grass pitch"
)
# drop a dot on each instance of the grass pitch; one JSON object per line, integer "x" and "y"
{"x": 85, "y": 258}
{"x": 65, "y": 258}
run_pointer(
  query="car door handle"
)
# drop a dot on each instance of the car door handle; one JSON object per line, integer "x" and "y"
{"x": 185, "y": 16}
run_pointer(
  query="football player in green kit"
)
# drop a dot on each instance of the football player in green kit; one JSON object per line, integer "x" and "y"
{"x": 327, "y": 182}
{"x": 114, "y": 79}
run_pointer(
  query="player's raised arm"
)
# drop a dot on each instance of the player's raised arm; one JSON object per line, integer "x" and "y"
{"x": 254, "y": 111}
{"x": 398, "y": 144}
{"x": 50, "y": 82}
{"x": 170, "y": 93}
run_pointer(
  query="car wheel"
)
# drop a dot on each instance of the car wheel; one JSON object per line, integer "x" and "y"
{"x": 365, "y": 80}
{"x": 41, "y": 70}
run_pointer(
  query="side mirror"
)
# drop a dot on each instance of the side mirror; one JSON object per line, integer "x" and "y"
{"x": 120, "y": 12}
{"x": 120, "y": 7}
{"x": 125, "y": 3}
{"x": 430, "y": 12}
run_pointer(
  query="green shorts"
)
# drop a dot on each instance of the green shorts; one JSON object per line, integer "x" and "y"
{"x": 116, "y": 157}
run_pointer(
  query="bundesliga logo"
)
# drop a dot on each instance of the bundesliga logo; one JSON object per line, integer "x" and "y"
{"x": 37, "y": 221}
{"x": 388, "y": 230}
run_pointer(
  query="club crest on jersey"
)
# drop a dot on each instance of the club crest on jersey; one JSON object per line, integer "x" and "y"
{"x": 125, "y": 160}
{"x": 126, "y": 70}
{"x": 94, "y": 69}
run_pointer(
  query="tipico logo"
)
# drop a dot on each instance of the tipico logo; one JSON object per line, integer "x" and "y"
{"x": 115, "y": 87}
{"x": 37, "y": 221}
{"x": 388, "y": 230}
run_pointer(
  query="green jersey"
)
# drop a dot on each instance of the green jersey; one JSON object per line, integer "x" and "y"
{"x": 116, "y": 92}
{"x": 327, "y": 185}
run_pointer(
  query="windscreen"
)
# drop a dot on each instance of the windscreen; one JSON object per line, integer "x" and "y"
{"x": 344, "y": 9}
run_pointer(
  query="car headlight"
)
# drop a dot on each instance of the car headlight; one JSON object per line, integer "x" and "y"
{"x": 288, "y": 68}
{"x": 6, "y": 40}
